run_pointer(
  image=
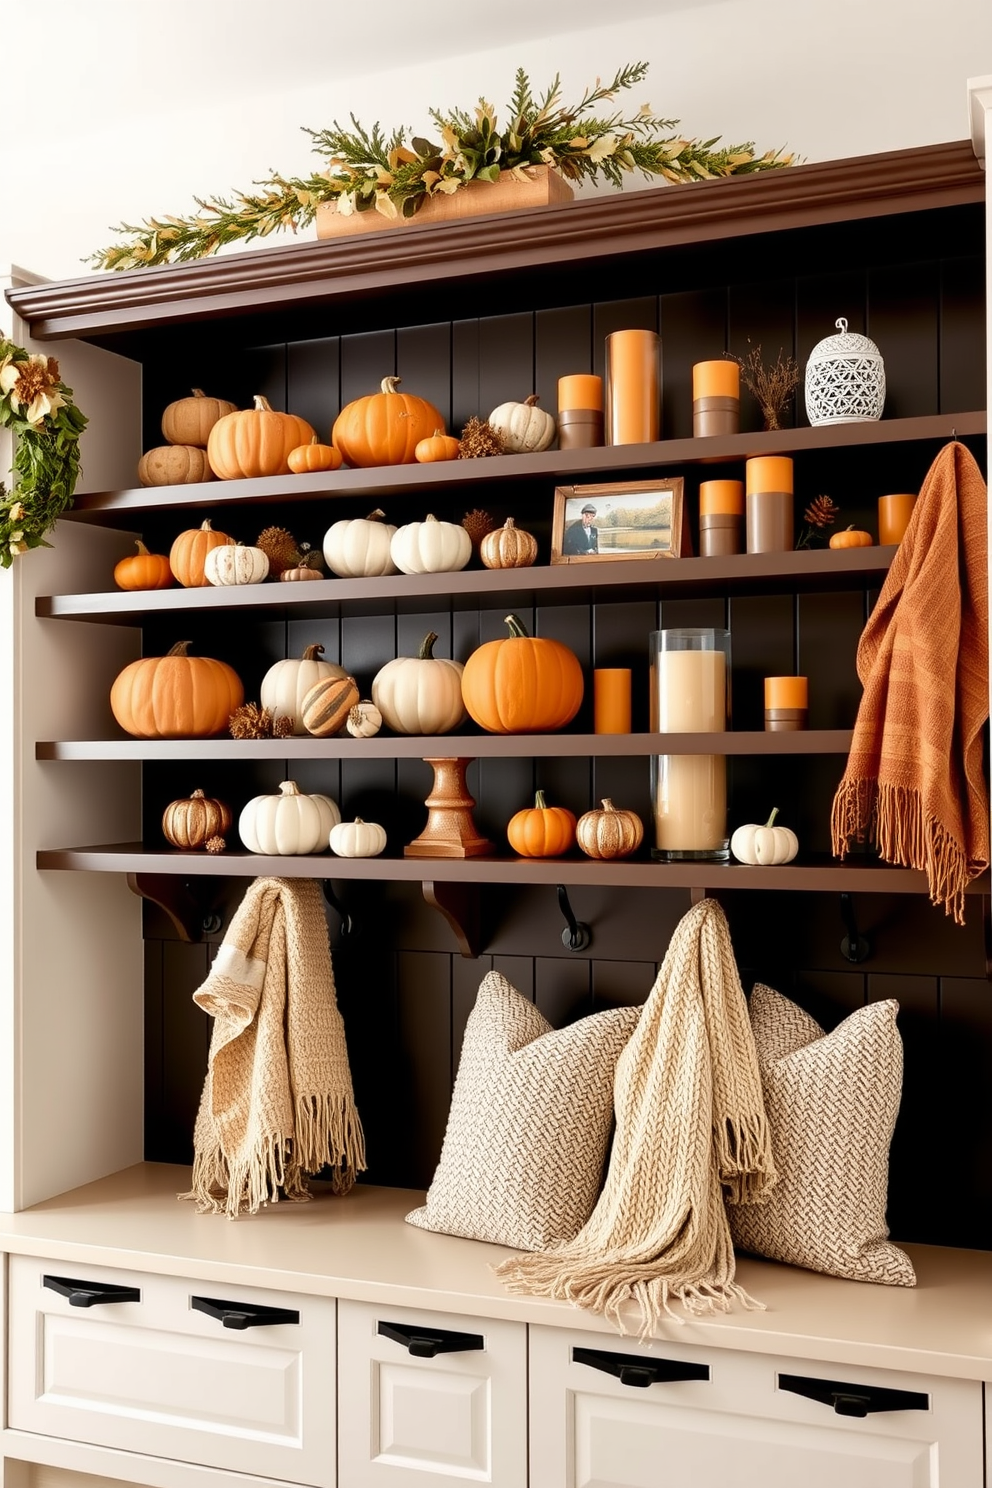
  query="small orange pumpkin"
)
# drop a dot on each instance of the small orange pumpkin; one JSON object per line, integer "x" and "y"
{"x": 191, "y": 822}
{"x": 177, "y": 696}
{"x": 143, "y": 570}
{"x": 522, "y": 684}
{"x": 188, "y": 554}
{"x": 852, "y": 537}
{"x": 189, "y": 420}
{"x": 439, "y": 446}
{"x": 314, "y": 457}
{"x": 384, "y": 428}
{"x": 541, "y": 831}
{"x": 255, "y": 441}
{"x": 610, "y": 832}
{"x": 300, "y": 572}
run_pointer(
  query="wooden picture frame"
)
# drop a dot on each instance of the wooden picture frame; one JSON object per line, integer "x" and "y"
{"x": 616, "y": 539}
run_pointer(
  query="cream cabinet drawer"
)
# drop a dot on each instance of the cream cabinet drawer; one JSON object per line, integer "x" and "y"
{"x": 150, "y": 1365}
{"x": 609, "y": 1413}
{"x": 430, "y": 1398}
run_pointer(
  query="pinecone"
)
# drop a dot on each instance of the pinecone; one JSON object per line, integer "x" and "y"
{"x": 479, "y": 439}
{"x": 821, "y": 512}
{"x": 311, "y": 557}
{"x": 280, "y": 547}
{"x": 215, "y": 844}
{"x": 250, "y": 722}
{"x": 477, "y": 524}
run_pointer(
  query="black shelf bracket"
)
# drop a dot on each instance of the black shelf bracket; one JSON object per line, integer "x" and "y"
{"x": 854, "y": 947}
{"x": 348, "y": 927}
{"x": 186, "y": 902}
{"x": 460, "y": 904}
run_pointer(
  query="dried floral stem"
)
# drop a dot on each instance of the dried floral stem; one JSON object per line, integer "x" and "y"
{"x": 771, "y": 386}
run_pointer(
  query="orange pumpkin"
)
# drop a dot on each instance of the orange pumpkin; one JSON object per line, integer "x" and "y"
{"x": 851, "y": 537}
{"x": 439, "y": 446}
{"x": 384, "y": 428}
{"x": 541, "y": 831}
{"x": 522, "y": 684}
{"x": 255, "y": 441}
{"x": 314, "y": 456}
{"x": 176, "y": 696}
{"x": 143, "y": 570}
{"x": 188, "y": 554}
{"x": 189, "y": 420}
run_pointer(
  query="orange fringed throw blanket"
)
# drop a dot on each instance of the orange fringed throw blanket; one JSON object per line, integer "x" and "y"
{"x": 914, "y": 784}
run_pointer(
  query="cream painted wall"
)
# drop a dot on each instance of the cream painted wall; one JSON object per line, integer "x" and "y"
{"x": 128, "y": 110}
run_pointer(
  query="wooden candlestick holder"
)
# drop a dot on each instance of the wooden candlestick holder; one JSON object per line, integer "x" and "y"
{"x": 450, "y": 831}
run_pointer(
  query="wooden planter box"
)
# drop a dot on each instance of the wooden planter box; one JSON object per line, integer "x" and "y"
{"x": 544, "y": 188}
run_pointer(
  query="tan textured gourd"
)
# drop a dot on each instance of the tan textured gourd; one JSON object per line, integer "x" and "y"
{"x": 190, "y": 823}
{"x": 609, "y": 832}
{"x": 189, "y": 420}
{"x": 327, "y": 704}
{"x": 508, "y": 547}
{"x": 174, "y": 465}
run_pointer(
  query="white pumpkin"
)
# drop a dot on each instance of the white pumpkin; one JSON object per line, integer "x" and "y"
{"x": 287, "y": 683}
{"x": 764, "y": 845}
{"x": 357, "y": 839}
{"x": 420, "y": 694}
{"x": 430, "y": 547}
{"x": 288, "y": 824}
{"x": 359, "y": 548}
{"x": 236, "y": 563}
{"x": 523, "y": 427}
{"x": 364, "y": 720}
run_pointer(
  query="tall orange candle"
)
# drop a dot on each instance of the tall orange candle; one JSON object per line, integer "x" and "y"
{"x": 769, "y": 504}
{"x": 611, "y": 700}
{"x": 633, "y": 387}
{"x": 894, "y": 513}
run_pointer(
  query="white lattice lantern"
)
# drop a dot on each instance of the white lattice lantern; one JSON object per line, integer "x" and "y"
{"x": 845, "y": 380}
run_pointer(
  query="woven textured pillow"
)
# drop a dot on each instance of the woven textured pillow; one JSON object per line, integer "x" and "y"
{"x": 529, "y": 1125}
{"x": 831, "y": 1101}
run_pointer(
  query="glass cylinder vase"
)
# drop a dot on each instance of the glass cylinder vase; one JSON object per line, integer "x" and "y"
{"x": 689, "y": 693}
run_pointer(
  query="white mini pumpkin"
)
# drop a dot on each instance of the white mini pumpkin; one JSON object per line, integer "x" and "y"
{"x": 287, "y": 683}
{"x": 430, "y": 547}
{"x": 420, "y": 694}
{"x": 357, "y": 839}
{"x": 764, "y": 845}
{"x": 364, "y": 720}
{"x": 288, "y": 824}
{"x": 359, "y": 548}
{"x": 236, "y": 563}
{"x": 523, "y": 427}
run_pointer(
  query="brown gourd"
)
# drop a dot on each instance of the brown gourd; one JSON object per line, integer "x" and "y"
{"x": 189, "y": 420}
{"x": 508, "y": 546}
{"x": 174, "y": 465}
{"x": 609, "y": 832}
{"x": 191, "y": 822}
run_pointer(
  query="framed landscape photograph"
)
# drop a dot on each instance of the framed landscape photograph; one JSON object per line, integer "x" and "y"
{"x": 627, "y": 519}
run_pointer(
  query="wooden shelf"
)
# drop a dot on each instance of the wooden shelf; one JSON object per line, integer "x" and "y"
{"x": 816, "y": 570}
{"x": 812, "y": 876}
{"x": 117, "y": 508}
{"x": 473, "y": 746}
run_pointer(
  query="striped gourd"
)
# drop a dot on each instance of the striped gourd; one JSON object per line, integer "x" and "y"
{"x": 327, "y": 704}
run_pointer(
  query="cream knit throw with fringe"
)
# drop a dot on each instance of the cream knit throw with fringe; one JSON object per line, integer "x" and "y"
{"x": 277, "y": 1103}
{"x": 690, "y": 1132}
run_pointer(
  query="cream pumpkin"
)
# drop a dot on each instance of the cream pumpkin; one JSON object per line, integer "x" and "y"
{"x": 430, "y": 547}
{"x": 420, "y": 694}
{"x": 523, "y": 427}
{"x": 235, "y": 563}
{"x": 288, "y": 824}
{"x": 764, "y": 845}
{"x": 357, "y": 839}
{"x": 359, "y": 548}
{"x": 286, "y": 684}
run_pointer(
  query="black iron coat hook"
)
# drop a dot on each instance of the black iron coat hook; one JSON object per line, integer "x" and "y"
{"x": 347, "y": 923}
{"x": 576, "y": 936}
{"x": 854, "y": 947}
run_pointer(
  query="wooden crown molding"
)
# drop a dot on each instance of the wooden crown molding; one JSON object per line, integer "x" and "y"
{"x": 320, "y": 272}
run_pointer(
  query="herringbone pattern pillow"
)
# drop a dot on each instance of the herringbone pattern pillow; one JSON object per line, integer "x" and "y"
{"x": 832, "y": 1101}
{"x": 529, "y": 1125}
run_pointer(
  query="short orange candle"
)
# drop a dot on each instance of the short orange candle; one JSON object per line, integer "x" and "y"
{"x": 611, "y": 700}
{"x": 768, "y": 473}
{"x": 894, "y": 513}
{"x": 786, "y": 692}
{"x": 580, "y": 390}
{"x": 721, "y": 498}
{"x": 633, "y": 387}
{"x": 719, "y": 379}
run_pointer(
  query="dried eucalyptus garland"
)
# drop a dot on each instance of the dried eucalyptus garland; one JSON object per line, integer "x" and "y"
{"x": 366, "y": 171}
{"x": 37, "y": 407}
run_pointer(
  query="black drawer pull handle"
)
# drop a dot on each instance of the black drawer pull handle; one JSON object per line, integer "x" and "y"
{"x": 425, "y": 1343}
{"x": 90, "y": 1293}
{"x": 242, "y": 1315}
{"x": 631, "y": 1369}
{"x": 854, "y": 1400}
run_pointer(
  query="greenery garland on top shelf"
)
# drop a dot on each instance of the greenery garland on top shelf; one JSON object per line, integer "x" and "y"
{"x": 37, "y": 407}
{"x": 366, "y": 171}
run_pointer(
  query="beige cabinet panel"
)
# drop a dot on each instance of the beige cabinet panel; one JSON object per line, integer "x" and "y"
{"x": 430, "y": 1398}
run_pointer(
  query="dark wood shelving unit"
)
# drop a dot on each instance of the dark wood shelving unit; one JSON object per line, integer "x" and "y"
{"x": 116, "y": 508}
{"x": 475, "y": 746}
